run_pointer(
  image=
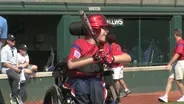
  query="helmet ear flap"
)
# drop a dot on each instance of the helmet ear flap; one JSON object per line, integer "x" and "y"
{"x": 97, "y": 30}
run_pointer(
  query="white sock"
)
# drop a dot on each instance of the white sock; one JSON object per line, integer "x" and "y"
{"x": 165, "y": 95}
{"x": 126, "y": 89}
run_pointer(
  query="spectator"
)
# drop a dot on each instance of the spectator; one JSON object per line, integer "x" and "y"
{"x": 23, "y": 60}
{"x": 134, "y": 53}
{"x": 10, "y": 67}
{"x": 3, "y": 36}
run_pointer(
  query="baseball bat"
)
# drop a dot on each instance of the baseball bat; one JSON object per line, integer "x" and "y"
{"x": 87, "y": 26}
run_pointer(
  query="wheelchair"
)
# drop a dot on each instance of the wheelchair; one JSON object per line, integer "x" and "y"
{"x": 60, "y": 94}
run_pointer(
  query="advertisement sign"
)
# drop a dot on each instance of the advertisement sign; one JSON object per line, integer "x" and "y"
{"x": 115, "y": 22}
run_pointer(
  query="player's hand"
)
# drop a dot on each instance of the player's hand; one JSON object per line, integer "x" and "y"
{"x": 15, "y": 69}
{"x": 108, "y": 59}
{"x": 168, "y": 67}
{"x": 99, "y": 55}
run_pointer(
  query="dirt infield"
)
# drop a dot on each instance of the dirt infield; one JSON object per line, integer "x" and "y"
{"x": 143, "y": 98}
{"x": 149, "y": 98}
{"x": 34, "y": 102}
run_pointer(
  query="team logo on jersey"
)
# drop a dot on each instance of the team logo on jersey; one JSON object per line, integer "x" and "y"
{"x": 77, "y": 54}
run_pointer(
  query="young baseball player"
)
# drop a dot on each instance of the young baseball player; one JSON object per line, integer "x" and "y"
{"x": 23, "y": 60}
{"x": 117, "y": 68}
{"x": 176, "y": 66}
{"x": 85, "y": 63}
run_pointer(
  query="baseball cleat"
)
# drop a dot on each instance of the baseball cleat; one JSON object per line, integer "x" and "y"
{"x": 181, "y": 99}
{"x": 163, "y": 99}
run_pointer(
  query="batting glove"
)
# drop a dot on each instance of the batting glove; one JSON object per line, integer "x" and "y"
{"x": 109, "y": 59}
{"x": 99, "y": 55}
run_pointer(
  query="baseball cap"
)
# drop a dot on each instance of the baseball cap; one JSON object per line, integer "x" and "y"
{"x": 23, "y": 47}
{"x": 10, "y": 37}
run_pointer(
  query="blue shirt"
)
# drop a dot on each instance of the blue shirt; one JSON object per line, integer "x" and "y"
{"x": 3, "y": 28}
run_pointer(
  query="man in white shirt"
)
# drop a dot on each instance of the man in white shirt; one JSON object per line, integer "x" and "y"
{"x": 10, "y": 67}
{"x": 23, "y": 60}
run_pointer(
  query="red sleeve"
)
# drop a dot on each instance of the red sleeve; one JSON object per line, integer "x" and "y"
{"x": 75, "y": 51}
{"x": 179, "y": 48}
{"x": 116, "y": 49}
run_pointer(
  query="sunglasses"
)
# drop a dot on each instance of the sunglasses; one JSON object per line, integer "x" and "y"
{"x": 12, "y": 40}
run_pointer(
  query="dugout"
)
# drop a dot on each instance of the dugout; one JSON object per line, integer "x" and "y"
{"x": 139, "y": 24}
{"x": 38, "y": 32}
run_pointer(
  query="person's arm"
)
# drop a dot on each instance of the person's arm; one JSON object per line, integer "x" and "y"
{"x": 178, "y": 51}
{"x": 6, "y": 64}
{"x": 77, "y": 63}
{"x": 75, "y": 60}
{"x": 174, "y": 58}
{"x": 26, "y": 62}
{"x": 119, "y": 55}
{"x": 123, "y": 58}
{"x": 4, "y": 33}
{"x": 4, "y": 61}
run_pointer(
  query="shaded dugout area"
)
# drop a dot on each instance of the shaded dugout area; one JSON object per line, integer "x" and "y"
{"x": 38, "y": 32}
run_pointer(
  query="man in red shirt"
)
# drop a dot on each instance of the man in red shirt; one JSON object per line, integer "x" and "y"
{"x": 176, "y": 66}
{"x": 85, "y": 63}
{"x": 117, "y": 68}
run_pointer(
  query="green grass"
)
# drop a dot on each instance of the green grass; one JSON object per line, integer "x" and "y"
{"x": 174, "y": 103}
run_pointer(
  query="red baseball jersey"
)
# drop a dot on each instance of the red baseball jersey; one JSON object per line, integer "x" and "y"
{"x": 115, "y": 49}
{"x": 179, "y": 48}
{"x": 81, "y": 48}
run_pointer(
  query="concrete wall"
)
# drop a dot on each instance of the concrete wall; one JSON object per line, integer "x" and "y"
{"x": 36, "y": 88}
